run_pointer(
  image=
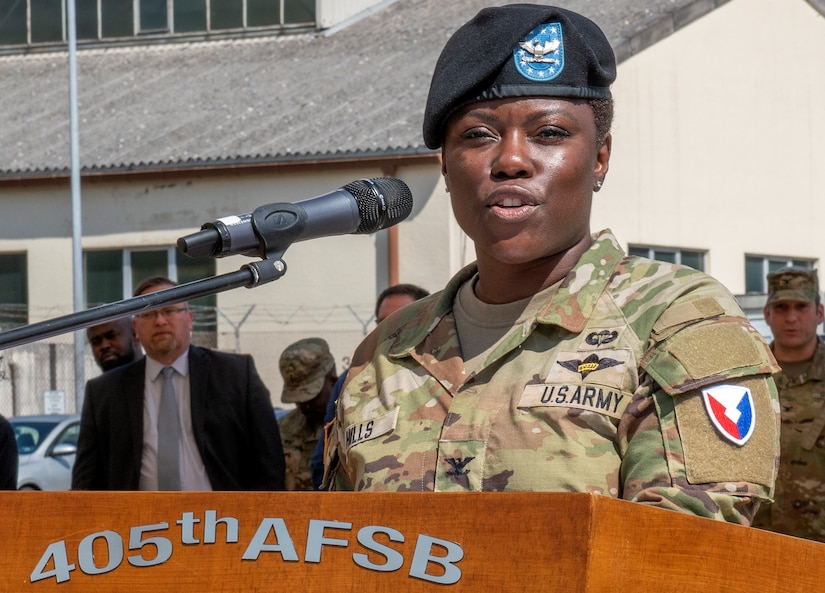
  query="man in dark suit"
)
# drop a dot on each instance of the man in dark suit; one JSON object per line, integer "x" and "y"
{"x": 8, "y": 456}
{"x": 221, "y": 432}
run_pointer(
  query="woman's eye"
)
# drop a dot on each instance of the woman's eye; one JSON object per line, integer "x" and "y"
{"x": 476, "y": 133}
{"x": 552, "y": 132}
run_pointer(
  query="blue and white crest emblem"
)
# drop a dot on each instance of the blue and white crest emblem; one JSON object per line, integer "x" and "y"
{"x": 540, "y": 57}
{"x": 731, "y": 410}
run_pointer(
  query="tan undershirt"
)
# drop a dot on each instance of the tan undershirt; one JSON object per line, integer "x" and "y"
{"x": 482, "y": 326}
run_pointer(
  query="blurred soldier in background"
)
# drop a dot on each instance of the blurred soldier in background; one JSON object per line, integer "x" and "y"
{"x": 793, "y": 312}
{"x": 308, "y": 370}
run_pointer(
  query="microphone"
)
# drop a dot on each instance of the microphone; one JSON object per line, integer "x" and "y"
{"x": 361, "y": 207}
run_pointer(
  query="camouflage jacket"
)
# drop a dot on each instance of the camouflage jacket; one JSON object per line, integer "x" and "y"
{"x": 299, "y": 439}
{"x": 601, "y": 392}
{"x": 799, "y": 503}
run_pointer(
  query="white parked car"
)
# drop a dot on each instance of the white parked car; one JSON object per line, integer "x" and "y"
{"x": 47, "y": 446}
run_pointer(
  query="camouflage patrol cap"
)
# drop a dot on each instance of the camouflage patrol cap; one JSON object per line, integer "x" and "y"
{"x": 304, "y": 366}
{"x": 793, "y": 284}
{"x": 518, "y": 50}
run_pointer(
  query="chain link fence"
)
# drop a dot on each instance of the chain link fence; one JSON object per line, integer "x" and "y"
{"x": 39, "y": 377}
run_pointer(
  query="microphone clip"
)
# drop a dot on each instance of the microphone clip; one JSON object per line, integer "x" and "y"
{"x": 278, "y": 226}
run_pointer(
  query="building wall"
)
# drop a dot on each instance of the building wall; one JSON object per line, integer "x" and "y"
{"x": 717, "y": 139}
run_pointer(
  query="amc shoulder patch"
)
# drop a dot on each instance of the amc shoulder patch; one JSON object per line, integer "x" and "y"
{"x": 731, "y": 410}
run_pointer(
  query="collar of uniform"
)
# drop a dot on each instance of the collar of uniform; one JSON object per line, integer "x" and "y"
{"x": 815, "y": 370}
{"x": 593, "y": 270}
{"x": 428, "y": 312}
{"x": 573, "y": 303}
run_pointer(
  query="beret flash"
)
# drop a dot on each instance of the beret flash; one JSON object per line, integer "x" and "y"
{"x": 518, "y": 50}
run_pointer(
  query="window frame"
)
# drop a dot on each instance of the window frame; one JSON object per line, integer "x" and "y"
{"x": 144, "y": 34}
{"x": 651, "y": 253}
{"x": 771, "y": 263}
{"x": 205, "y": 308}
{"x": 14, "y": 262}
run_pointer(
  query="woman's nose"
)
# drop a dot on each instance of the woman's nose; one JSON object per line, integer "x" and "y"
{"x": 513, "y": 157}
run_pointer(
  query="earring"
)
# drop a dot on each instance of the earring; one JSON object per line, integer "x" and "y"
{"x": 598, "y": 185}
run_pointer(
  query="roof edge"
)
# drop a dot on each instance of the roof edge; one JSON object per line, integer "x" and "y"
{"x": 666, "y": 26}
{"x": 222, "y": 165}
{"x": 819, "y": 5}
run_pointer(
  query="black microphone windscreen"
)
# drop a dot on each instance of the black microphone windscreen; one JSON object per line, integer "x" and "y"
{"x": 382, "y": 202}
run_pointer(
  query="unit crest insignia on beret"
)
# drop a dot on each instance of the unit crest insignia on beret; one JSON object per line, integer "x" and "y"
{"x": 540, "y": 57}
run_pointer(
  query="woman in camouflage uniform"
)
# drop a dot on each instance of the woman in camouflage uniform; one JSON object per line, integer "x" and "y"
{"x": 555, "y": 362}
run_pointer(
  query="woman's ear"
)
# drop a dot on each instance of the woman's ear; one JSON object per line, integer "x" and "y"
{"x": 443, "y": 168}
{"x": 602, "y": 162}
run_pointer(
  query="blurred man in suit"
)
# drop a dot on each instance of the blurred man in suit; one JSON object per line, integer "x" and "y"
{"x": 217, "y": 433}
{"x": 8, "y": 456}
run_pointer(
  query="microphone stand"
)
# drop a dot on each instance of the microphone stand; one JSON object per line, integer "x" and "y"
{"x": 250, "y": 276}
{"x": 275, "y": 227}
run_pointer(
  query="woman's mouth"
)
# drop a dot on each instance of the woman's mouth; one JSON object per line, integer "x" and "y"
{"x": 511, "y": 208}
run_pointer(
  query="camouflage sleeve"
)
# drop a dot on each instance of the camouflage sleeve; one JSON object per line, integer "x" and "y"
{"x": 684, "y": 450}
{"x": 338, "y": 473}
{"x": 334, "y": 477}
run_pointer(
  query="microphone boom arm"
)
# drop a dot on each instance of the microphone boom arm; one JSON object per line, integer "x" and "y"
{"x": 249, "y": 276}
{"x": 363, "y": 206}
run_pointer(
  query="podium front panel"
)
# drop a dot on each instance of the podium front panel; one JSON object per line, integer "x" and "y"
{"x": 367, "y": 542}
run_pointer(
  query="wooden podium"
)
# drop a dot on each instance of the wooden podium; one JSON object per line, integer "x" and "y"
{"x": 324, "y": 542}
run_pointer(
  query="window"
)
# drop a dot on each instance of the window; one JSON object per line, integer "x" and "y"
{"x": 34, "y": 22}
{"x": 757, "y": 268}
{"x": 46, "y": 21}
{"x": 686, "y": 257}
{"x": 14, "y": 291}
{"x": 68, "y": 436}
{"x": 113, "y": 275}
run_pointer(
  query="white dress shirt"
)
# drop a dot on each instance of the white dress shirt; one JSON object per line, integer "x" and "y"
{"x": 192, "y": 471}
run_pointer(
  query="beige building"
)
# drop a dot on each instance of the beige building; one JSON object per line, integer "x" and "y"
{"x": 715, "y": 162}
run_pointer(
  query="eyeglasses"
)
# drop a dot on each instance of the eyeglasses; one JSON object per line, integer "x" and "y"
{"x": 167, "y": 312}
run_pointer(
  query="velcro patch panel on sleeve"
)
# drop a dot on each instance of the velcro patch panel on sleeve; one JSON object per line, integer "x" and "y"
{"x": 682, "y": 314}
{"x": 704, "y": 354}
{"x": 748, "y": 452}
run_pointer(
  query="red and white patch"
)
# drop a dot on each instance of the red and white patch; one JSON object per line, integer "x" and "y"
{"x": 731, "y": 410}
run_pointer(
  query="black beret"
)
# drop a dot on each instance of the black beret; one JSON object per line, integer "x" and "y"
{"x": 518, "y": 50}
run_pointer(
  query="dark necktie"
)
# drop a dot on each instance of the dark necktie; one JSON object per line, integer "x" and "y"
{"x": 168, "y": 435}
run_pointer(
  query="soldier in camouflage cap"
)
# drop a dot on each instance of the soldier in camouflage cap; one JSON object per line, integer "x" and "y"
{"x": 793, "y": 312}
{"x": 555, "y": 362}
{"x": 308, "y": 371}
{"x": 793, "y": 285}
